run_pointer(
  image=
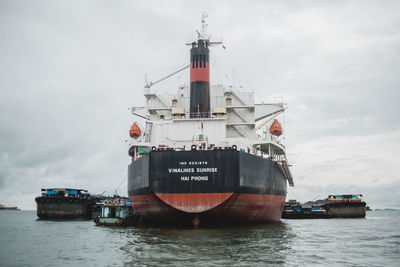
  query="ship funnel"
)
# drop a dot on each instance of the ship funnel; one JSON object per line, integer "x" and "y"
{"x": 199, "y": 80}
{"x": 200, "y": 73}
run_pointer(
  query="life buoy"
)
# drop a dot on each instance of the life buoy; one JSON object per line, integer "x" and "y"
{"x": 105, "y": 202}
{"x": 116, "y": 202}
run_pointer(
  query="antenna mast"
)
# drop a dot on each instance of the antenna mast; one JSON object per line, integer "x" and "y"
{"x": 203, "y": 26}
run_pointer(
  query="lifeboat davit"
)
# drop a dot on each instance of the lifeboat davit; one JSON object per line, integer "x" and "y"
{"x": 135, "y": 131}
{"x": 276, "y": 128}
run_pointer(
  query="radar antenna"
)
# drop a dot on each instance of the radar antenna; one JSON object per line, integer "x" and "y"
{"x": 202, "y": 36}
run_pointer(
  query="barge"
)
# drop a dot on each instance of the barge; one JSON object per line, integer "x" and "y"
{"x": 296, "y": 210}
{"x": 335, "y": 206}
{"x": 65, "y": 203}
{"x": 345, "y": 206}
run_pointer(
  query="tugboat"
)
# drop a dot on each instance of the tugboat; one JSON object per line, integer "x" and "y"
{"x": 207, "y": 154}
{"x": 65, "y": 204}
{"x": 116, "y": 211}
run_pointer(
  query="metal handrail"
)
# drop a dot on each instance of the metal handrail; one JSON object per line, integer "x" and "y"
{"x": 199, "y": 115}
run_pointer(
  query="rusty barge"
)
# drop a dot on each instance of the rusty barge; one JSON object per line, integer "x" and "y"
{"x": 65, "y": 204}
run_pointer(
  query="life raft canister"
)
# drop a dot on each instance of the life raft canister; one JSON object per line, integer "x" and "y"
{"x": 135, "y": 131}
{"x": 276, "y": 128}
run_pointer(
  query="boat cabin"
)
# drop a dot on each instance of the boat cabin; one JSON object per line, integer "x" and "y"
{"x": 115, "y": 211}
{"x": 344, "y": 198}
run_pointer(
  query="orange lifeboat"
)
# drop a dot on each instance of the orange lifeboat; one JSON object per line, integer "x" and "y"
{"x": 276, "y": 128}
{"x": 135, "y": 131}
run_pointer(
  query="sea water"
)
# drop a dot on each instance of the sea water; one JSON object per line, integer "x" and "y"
{"x": 373, "y": 241}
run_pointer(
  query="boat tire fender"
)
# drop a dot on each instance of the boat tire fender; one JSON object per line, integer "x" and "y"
{"x": 153, "y": 148}
{"x": 116, "y": 202}
{"x": 193, "y": 147}
{"x": 234, "y": 147}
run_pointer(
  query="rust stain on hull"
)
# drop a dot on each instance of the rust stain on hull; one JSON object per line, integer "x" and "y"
{"x": 239, "y": 208}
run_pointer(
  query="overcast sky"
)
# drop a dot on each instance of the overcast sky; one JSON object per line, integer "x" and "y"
{"x": 70, "y": 71}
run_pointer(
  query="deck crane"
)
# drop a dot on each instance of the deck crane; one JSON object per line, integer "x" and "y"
{"x": 148, "y": 85}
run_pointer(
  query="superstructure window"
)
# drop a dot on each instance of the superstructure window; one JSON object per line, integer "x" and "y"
{"x": 192, "y": 61}
{"x": 204, "y": 61}
{"x": 197, "y": 61}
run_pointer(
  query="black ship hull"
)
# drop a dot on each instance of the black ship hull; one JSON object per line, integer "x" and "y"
{"x": 212, "y": 187}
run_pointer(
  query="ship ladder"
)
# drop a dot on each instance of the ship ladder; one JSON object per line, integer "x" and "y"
{"x": 286, "y": 171}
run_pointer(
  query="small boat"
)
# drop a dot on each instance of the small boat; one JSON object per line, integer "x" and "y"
{"x": 116, "y": 211}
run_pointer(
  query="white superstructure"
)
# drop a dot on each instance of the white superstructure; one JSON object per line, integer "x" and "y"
{"x": 234, "y": 120}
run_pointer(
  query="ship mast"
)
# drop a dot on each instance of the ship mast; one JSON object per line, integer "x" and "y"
{"x": 203, "y": 26}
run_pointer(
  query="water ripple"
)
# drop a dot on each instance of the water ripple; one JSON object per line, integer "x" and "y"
{"x": 338, "y": 242}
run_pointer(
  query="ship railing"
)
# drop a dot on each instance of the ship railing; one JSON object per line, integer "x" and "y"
{"x": 200, "y": 115}
{"x": 269, "y": 137}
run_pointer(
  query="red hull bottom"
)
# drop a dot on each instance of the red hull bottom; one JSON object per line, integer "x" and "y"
{"x": 238, "y": 208}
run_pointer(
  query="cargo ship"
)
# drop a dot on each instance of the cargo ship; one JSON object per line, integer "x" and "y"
{"x": 8, "y": 207}
{"x": 66, "y": 204}
{"x": 207, "y": 154}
